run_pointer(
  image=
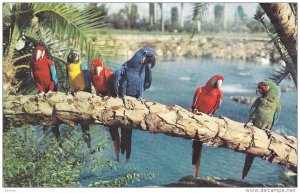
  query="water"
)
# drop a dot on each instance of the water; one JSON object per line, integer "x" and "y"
{"x": 174, "y": 82}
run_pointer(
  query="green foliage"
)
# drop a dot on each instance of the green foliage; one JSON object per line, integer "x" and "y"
{"x": 219, "y": 14}
{"x": 122, "y": 180}
{"x": 118, "y": 21}
{"x": 32, "y": 162}
{"x": 241, "y": 12}
{"x": 57, "y": 26}
{"x": 280, "y": 54}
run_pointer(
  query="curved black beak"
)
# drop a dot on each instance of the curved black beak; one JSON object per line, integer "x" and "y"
{"x": 153, "y": 60}
{"x": 259, "y": 91}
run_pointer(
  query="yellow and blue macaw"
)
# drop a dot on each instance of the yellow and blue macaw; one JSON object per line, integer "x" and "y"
{"x": 79, "y": 80}
{"x": 78, "y": 73}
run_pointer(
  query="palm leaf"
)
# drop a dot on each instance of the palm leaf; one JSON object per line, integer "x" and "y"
{"x": 67, "y": 21}
{"x": 283, "y": 72}
{"x": 199, "y": 9}
{"x": 279, "y": 75}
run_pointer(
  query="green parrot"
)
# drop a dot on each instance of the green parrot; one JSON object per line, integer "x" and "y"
{"x": 264, "y": 113}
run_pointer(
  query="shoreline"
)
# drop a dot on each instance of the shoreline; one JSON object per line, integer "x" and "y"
{"x": 254, "y": 49}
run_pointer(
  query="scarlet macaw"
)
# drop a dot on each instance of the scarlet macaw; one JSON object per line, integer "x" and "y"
{"x": 207, "y": 99}
{"x": 43, "y": 70}
{"x": 103, "y": 81}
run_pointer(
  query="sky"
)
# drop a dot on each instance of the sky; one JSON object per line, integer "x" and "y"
{"x": 143, "y": 9}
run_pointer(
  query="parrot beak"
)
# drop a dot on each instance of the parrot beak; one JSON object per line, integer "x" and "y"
{"x": 259, "y": 91}
{"x": 39, "y": 55}
{"x": 76, "y": 55}
{"x": 219, "y": 83}
{"x": 149, "y": 59}
{"x": 98, "y": 70}
{"x": 153, "y": 60}
{"x": 262, "y": 89}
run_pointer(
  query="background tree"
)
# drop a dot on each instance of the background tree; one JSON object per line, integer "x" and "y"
{"x": 181, "y": 15}
{"x": 118, "y": 20}
{"x": 152, "y": 14}
{"x": 134, "y": 16}
{"x": 162, "y": 21}
{"x": 100, "y": 9}
{"x": 224, "y": 18}
{"x": 199, "y": 9}
{"x": 174, "y": 18}
{"x": 283, "y": 19}
{"x": 219, "y": 15}
{"x": 128, "y": 10}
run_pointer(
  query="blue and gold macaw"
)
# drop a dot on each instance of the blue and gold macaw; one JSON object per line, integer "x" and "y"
{"x": 78, "y": 73}
{"x": 79, "y": 80}
{"x": 132, "y": 79}
{"x": 264, "y": 113}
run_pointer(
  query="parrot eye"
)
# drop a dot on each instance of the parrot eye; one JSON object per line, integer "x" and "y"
{"x": 144, "y": 52}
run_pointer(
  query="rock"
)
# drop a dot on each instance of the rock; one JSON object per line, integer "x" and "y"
{"x": 191, "y": 181}
{"x": 169, "y": 46}
{"x": 243, "y": 99}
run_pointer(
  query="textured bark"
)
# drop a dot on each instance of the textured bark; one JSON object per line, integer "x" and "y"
{"x": 154, "y": 117}
{"x": 284, "y": 22}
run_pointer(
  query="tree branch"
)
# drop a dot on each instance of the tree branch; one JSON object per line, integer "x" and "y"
{"x": 154, "y": 117}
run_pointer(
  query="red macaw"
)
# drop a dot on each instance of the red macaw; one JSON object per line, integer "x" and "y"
{"x": 43, "y": 70}
{"x": 103, "y": 81}
{"x": 102, "y": 78}
{"x": 207, "y": 99}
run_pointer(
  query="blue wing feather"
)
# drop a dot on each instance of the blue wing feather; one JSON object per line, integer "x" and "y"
{"x": 53, "y": 74}
{"x": 87, "y": 77}
{"x": 148, "y": 76}
{"x": 276, "y": 115}
{"x": 120, "y": 83}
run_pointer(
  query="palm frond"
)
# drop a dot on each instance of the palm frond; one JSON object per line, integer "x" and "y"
{"x": 21, "y": 58}
{"x": 67, "y": 21}
{"x": 259, "y": 14}
{"x": 56, "y": 26}
{"x": 281, "y": 74}
{"x": 199, "y": 9}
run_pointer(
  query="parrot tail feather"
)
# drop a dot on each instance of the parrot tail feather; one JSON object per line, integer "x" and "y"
{"x": 126, "y": 135}
{"x": 123, "y": 140}
{"x": 248, "y": 163}
{"x": 116, "y": 139}
{"x": 197, "y": 148}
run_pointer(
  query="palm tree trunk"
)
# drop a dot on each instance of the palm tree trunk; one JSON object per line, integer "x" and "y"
{"x": 154, "y": 13}
{"x": 129, "y": 15}
{"x": 162, "y": 21}
{"x": 150, "y": 116}
{"x": 181, "y": 15}
{"x": 284, "y": 22}
{"x": 224, "y": 19}
{"x": 199, "y": 26}
{"x": 151, "y": 14}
